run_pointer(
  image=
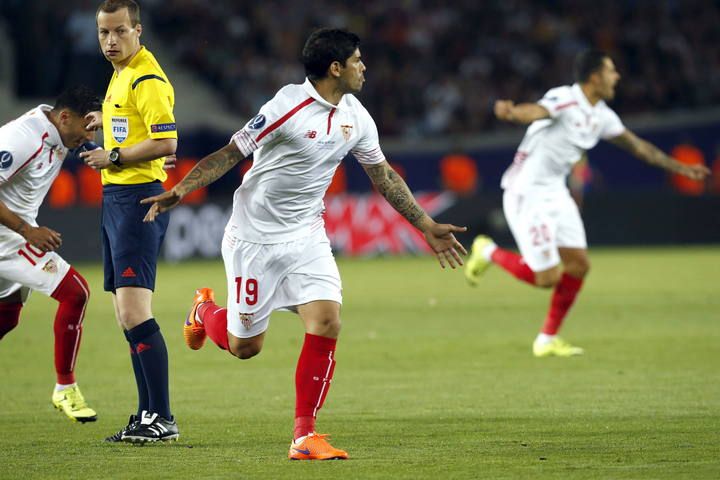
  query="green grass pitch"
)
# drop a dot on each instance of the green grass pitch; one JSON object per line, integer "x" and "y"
{"x": 434, "y": 380}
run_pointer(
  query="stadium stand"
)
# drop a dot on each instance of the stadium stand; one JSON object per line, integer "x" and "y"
{"x": 442, "y": 64}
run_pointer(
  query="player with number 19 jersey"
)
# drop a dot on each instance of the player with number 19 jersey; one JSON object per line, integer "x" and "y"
{"x": 298, "y": 140}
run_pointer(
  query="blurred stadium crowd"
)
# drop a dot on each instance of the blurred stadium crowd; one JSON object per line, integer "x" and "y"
{"x": 434, "y": 67}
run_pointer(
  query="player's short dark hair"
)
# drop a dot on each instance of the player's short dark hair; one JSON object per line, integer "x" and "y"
{"x": 112, "y": 6}
{"x": 80, "y": 99}
{"x": 325, "y": 46}
{"x": 587, "y": 63}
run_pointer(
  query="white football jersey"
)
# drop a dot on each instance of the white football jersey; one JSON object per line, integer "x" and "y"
{"x": 551, "y": 146}
{"x": 299, "y": 140}
{"x": 31, "y": 155}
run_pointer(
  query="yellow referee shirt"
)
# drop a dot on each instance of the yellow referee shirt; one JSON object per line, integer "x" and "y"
{"x": 138, "y": 105}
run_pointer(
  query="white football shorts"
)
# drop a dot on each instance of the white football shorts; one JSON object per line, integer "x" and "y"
{"x": 26, "y": 268}
{"x": 264, "y": 278}
{"x": 540, "y": 223}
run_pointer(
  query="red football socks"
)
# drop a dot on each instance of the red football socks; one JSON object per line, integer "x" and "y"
{"x": 9, "y": 316}
{"x": 562, "y": 299}
{"x": 313, "y": 376}
{"x": 73, "y": 294}
{"x": 214, "y": 319}
{"x": 514, "y": 264}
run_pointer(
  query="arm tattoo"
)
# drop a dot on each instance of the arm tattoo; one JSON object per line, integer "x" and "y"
{"x": 396, "y": 192}
{"x": 645, "y": 151}
{"x": 211, "y": 168}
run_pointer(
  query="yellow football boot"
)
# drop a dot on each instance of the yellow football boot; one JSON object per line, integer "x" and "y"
{"x": 477, "y": 263}
{"x": 556, "y": 347}
{"x": 72, "y": 403}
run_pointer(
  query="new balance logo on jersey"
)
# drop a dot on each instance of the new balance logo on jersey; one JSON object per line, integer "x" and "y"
{"x": 129, "y": 273}
{"x": 311, "y": 134}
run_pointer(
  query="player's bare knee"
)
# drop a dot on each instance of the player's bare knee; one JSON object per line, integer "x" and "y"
{"x": 579, "y": 268}
{"x": 548, "y": 278}
{"x": 328, "y": 326}
{"x": 244, "y": 351}
{"x": 247, "y": 352}
{"x": 545, "y": 282}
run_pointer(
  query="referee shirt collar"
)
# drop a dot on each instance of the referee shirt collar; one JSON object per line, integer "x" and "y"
{"x": 135, "y": 60}
{"x": 310, "y": 90}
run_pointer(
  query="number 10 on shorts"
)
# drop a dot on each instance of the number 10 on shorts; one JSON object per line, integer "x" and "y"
{"x": 251, "y": 290}
{"x": 29, "y": 252}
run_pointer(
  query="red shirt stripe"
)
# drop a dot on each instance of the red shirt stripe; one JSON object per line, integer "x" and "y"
{"x": 565, "y": 105}
{"x": 284, "y": 119}
{"x": 42, "y": 144}
{"x": 330, "y": 120}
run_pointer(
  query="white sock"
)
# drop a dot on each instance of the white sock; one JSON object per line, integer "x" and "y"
{"x": 197, "y": 312}
{"x": 488, "y": 250}
{"x": 544, "y": 338}
{"x": 300, "y": 439}
{"x": 59, "y": 387}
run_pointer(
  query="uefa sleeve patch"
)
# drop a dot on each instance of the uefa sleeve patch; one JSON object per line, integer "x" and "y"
{"x": 257, "y": 122}
{"x": 163, "y": 127}
{"x": 6, "y": 160}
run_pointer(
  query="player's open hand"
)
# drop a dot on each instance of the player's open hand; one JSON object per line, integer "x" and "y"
{"x": 446, "y": 247}
{"x": 695, "y": 172}
{"x": 160, "y": 203}
{"x": 94, "y": 120}
{"x": 46, "y": 239}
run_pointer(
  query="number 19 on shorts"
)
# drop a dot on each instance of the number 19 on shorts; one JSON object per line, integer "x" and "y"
{"x": 250, "y": 290}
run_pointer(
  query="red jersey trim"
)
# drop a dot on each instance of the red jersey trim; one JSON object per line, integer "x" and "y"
{"x": 565, "y": 105}
{"x": 32, "y": 157}
{"x": 284, "y": 119}
{"x": 330, "y": 120}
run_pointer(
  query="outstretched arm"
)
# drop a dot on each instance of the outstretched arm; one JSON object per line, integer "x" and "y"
{"x": 43, "y": 238}
{"x": 204, "y": 173}
{"x": 649, "y": 153}
{"x": 524, "y": 113}
{"x": 439, "y": 236}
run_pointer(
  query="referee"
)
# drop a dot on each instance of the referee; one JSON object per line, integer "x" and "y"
{"x": 139, "y": 131}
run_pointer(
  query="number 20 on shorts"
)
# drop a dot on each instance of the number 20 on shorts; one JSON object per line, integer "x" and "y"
{"x": 251, "y": 290}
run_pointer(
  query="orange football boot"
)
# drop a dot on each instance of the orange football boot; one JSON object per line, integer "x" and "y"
{"x": 193, "y": 330}
{"x": 315, "y": 447}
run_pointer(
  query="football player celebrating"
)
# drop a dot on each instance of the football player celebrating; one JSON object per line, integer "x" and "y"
{"x": 542, "y": 216}
{"x": 276, "y": 252}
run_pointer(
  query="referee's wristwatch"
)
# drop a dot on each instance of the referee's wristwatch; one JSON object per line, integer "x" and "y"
{"x": 115, "y": 157}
